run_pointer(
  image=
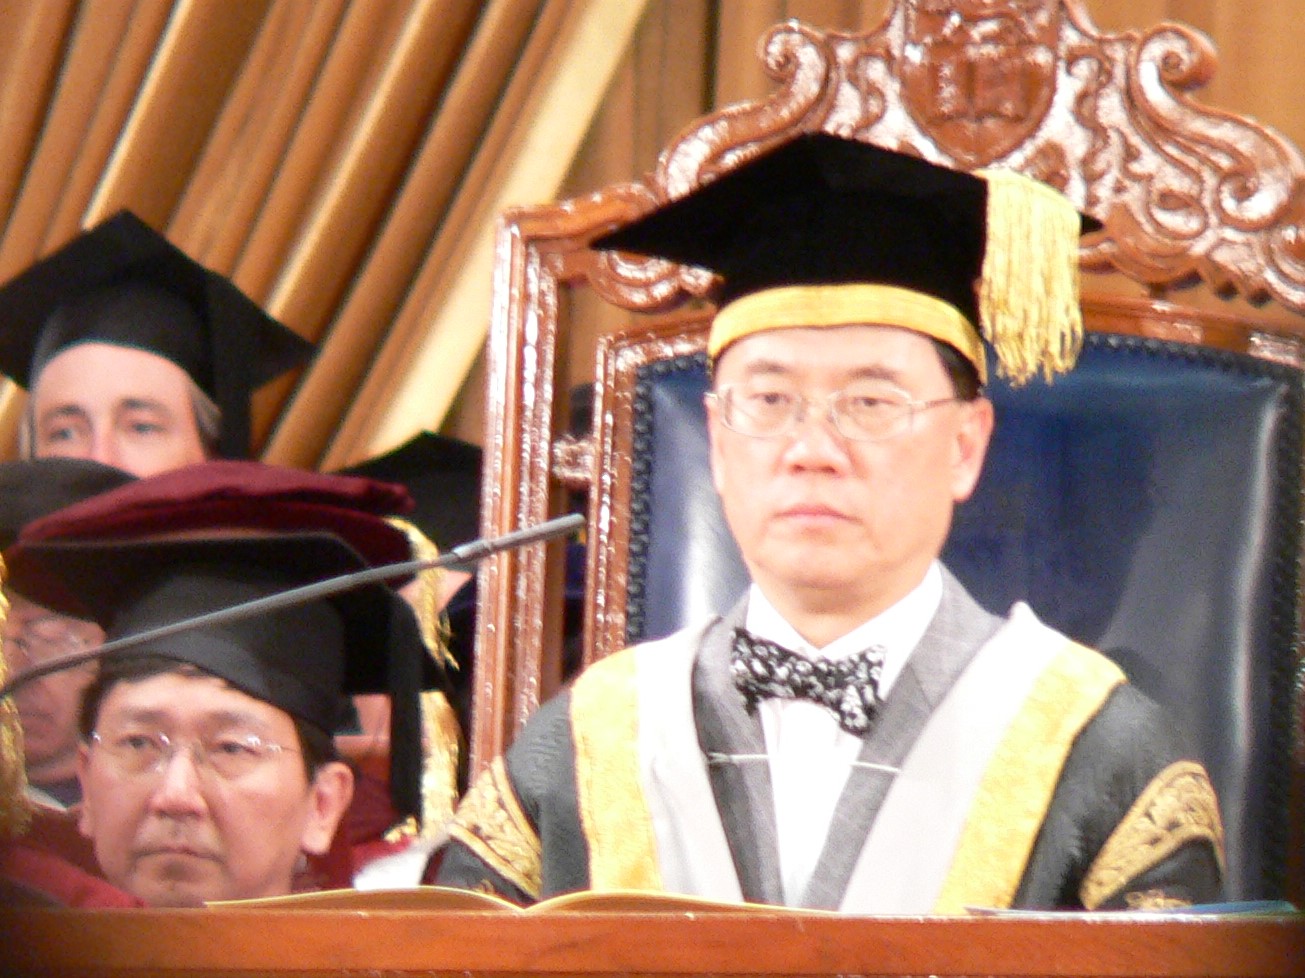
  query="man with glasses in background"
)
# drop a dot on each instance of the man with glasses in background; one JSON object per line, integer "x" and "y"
{"x": 857, "y": 733}
{"x": 207, "y": 761}
{"x": 47, "y": 707}
{"x": 33, "y": 635}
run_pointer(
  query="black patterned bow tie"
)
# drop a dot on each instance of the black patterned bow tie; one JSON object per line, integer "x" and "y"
{"x": 849, "y": 687}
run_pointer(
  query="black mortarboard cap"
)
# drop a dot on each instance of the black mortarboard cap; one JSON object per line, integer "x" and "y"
{"x": 124, "y": 283}
{"x": 33, "y": 488}
{"x": 997, "y": 249}
{"x": 443, "y": 476}
{"x": 302, "y": 659}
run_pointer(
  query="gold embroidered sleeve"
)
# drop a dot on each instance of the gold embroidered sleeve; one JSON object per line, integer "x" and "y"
{"x": 1177, "y": 807}
{"x": 491, "y": 824}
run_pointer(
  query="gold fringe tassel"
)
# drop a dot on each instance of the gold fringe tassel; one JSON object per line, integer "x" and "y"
{"x": 1028, "y": 292}
{"x": 441, "y": 735}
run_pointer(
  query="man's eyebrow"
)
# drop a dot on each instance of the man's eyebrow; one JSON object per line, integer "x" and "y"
{"x": 143, "y": 404}
{"x": 875, "y": 371}
{"x": 216, "y": 718}
{"x": 139, "y": 714}
{"x": 236, "y": 718}
{"x": 766, "y": 366}
{"x": 871, "y": 371}
{"x": 63, "y": 411}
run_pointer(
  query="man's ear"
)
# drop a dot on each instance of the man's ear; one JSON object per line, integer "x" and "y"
{"x": 713, "y": 441}
{"x": 86, "y": 816}
{"x": 330, "y": 794}
{"x": 973, "y": 434}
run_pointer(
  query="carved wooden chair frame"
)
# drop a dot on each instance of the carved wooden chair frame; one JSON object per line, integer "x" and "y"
{"x": 1188, "y": 196}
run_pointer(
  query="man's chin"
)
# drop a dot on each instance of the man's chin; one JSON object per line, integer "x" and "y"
{"x": 172, "y": 895}
{"x": 177, "y": 881}
{"x": 173, "y": 900}
{"x": 819, "y": 569}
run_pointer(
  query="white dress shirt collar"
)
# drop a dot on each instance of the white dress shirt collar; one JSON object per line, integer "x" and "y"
{"x": 897, "y": 630}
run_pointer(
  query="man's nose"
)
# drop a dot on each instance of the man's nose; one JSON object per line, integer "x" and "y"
{"x": 815, "y": 441}
{"x": 179, "y": 786}
{"x": 104, "y": 449}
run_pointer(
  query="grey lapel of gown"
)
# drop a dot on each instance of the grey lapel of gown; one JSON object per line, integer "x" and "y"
{"x": 959, "y": 629}
{"x": 741, "y": 788}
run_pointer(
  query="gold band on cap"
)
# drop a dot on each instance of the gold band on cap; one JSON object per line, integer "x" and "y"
{"x": 846, "y": 304}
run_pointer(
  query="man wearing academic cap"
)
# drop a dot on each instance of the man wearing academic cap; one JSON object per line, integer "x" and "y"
{"x": 135, "y": 355}
{"x": 33, "y": 635}
{"x": 43, "y": 857}
{"x": 857, "y": 733}
{"x": 208, "y": 765}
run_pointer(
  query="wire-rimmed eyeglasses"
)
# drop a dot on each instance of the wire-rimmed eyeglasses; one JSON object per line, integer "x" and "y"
{"x": 230, "y": 756}
{"x": 41, "y": 640}
{"x": 858, "y": 412}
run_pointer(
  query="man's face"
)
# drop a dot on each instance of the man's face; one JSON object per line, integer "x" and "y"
{"x": 117, "y": 405}
{"x": 831, "y": 526}
{"x": 184, "y": 833}
{"x": 47, "y": 707}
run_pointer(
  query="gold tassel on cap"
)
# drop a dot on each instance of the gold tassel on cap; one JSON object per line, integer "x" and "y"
{"x": 1028, "y": 290}
{"x": 434, "y": 629}
{"x": 14, "y": 809}
{"x": 441, "y": 733}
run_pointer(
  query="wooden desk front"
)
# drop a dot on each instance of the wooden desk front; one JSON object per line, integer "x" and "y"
{"x": 225, "y": 942}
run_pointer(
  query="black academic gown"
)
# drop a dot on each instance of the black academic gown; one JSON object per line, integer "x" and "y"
{"x": 1112, "y": 764}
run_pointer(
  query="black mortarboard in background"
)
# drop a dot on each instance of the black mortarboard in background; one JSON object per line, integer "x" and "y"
{"x": 33, "y": 488}
{"x": 821, "y": 210}
{"x": 124, "y": 283}
{"x": 443, "y": 476}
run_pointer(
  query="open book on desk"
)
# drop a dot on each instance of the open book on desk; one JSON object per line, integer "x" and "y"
{"x": 434, "y": 898}
{"x": 442, "y": 898}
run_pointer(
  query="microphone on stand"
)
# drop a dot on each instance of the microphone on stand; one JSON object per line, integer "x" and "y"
{"x": 464, "y": 555}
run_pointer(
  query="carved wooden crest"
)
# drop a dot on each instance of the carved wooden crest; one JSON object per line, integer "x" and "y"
{"x": 978, "y": 76}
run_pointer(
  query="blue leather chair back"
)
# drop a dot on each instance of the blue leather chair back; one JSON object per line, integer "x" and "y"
{"x": 1147, "y": 504}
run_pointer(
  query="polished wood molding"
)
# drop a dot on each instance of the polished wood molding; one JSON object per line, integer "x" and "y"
{"x": 212, "y": 942}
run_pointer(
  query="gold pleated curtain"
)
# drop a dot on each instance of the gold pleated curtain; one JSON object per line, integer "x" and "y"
{"x": 344, "y": 160}
{"x": 341, "y": 161}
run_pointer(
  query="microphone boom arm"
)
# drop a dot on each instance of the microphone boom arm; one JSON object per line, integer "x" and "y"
{"x": 462, "y": 555}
